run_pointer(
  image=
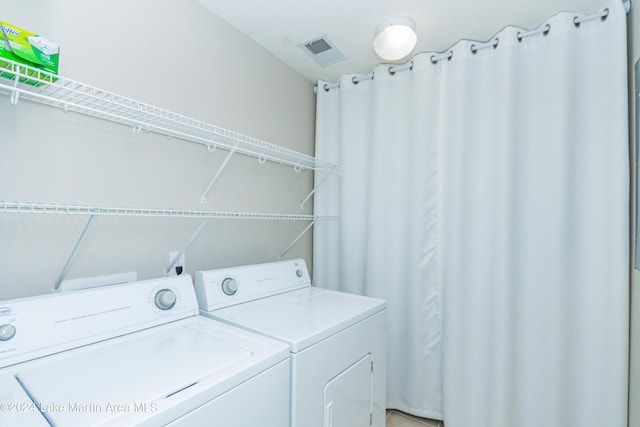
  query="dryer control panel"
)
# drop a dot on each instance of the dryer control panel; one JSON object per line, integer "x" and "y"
{"x": 224, "y": 287}
{"x": 43, "y": 325}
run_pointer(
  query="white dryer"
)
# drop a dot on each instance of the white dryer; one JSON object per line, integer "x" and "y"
{"x": 336, "y": 340}
{"x": 135, "y": 354}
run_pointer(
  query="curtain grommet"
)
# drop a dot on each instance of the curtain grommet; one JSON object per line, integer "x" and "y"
{"x": 439, "y": 57}
{"x": 494, "y": 44}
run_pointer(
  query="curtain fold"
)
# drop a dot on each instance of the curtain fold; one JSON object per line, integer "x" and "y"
{"x": 486, "y": 198}
{"x": 535, "y": 240}
{"x": 379, "y": 234}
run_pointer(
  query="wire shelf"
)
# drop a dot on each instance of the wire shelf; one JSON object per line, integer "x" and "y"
{"x": 47, "y": 208}
{"x": 22, "y": 81}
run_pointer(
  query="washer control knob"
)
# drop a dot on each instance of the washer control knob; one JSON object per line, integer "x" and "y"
{"x": 299, "y": 273}
{"x": 165, "y": 299}
{"x": 229, "y": 286}
{"x": 7, "y": 332}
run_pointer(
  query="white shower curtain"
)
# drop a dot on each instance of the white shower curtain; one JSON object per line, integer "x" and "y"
{"x": 485, "y": 197}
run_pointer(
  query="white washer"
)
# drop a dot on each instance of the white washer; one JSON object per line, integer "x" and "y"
{"x": 337, "y": 340}
{"x": 135, "y": 354}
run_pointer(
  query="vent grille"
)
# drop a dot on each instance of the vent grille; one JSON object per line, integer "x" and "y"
{"x": 318, "y": 46}
{"x": 323, "y": 51}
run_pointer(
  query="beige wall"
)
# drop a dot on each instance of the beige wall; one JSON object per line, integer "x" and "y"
{"x": 177, "y": 55}
{"x": 634, "y": 399}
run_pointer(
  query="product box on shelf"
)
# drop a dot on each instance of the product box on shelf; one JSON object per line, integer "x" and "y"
{"x": 27, "y": 48}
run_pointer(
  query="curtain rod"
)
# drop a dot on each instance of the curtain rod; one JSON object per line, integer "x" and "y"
{"x": 493, "y": 43}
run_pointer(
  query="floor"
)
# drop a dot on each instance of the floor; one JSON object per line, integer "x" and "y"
{"x": 400, "y": 419}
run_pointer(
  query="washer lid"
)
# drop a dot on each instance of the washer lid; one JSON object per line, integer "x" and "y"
{"x": 302, "y": 317}
{"x": 148, "y": 372}
{"x": 18, "y": 409}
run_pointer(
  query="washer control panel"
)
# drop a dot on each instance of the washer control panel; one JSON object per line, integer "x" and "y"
{"x": 39, "y": 326}
{"x": 229, "y": 286}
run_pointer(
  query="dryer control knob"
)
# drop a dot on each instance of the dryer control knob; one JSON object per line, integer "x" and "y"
{"x": 7, "y": 332}
{"x": 165, "y": 299}
{"x": 299, "y": 273}
{"x": 229, "y": 286}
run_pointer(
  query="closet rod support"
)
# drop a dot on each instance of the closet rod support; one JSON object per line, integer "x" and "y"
{"x": 74, "y": 253}
{"x": 186, "y": 246}
{"x": 298, "y": 237}
{"x": 203, "y": 197}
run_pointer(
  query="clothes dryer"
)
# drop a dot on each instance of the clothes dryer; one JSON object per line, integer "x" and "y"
{"x": 336, "y": 340}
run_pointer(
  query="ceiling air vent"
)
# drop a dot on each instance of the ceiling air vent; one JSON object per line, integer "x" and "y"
{"x": 323, "y": 51}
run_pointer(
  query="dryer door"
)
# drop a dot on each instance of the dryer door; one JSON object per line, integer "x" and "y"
{"x": 348, "y": 396}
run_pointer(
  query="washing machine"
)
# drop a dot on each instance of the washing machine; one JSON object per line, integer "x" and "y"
{"x": 336, "y": 340}
{"x": 136, "y": 354}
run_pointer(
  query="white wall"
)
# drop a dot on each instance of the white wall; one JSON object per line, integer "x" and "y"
{"x": 177, "y": 55}
{"x": 634, "y": 377}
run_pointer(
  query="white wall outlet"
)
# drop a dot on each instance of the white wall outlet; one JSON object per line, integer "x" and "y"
{"x": 179, "y": 265}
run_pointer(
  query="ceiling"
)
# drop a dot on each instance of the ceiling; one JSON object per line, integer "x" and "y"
{"x": 280, "y": 26}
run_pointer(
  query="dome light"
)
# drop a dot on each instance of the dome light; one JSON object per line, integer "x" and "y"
{"x": 395, "y": 38}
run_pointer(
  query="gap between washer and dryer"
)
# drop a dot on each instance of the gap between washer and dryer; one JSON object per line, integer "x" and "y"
{"x": 400, "y": 419}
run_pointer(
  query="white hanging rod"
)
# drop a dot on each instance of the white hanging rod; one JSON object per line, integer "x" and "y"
{"x": 407, "y": 66}
{"x": 598, "y": 15}
{"x": 602, "y": 14}
{"x": 70, "y": 95}
{"x": 329, "y": 86}
{"x": 441, "y": 56}
{"x": 357, "y": 79}
{"x": 477, "y": 46}
{"x": 542, "y": 30}
{"x": 45, "y": 208}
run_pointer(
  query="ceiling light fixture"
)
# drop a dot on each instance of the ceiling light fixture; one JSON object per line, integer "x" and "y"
{"x": 395, "y": 38}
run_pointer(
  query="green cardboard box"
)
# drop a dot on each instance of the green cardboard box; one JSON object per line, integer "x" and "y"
{"x": 27, "y": 48}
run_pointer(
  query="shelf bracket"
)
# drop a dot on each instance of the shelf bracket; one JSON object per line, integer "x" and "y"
{"x": 324, "y": 178}
{"x": 15, "y": 94}
{"x": 203, "y": 197}
{"x": 298, "y": 237}
{"x": 306, "y": 199}
{"x": 185, "y": 247}
{"x": 74, "y": 253}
